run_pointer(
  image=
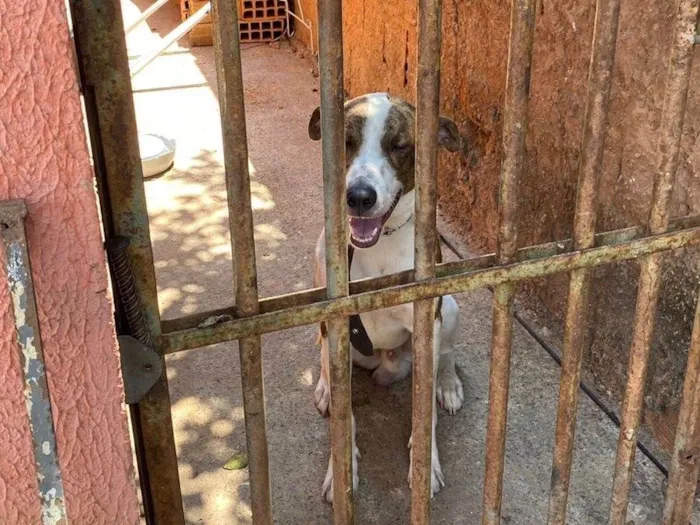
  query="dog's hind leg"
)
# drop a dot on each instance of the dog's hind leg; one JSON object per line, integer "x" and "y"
{"x": 449, "y": 392}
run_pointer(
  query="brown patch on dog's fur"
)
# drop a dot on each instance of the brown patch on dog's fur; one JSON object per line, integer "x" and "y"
{"x": 315, "y": 119}
{"x": 398, "y": 142}
{"x": 354, "y": 125}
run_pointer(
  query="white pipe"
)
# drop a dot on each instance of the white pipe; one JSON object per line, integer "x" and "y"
{"x": 145, "y": 15}
{"x": 287, "y": 12}
{"x": 172, "y": 37}
{"x": 305, "y": 23}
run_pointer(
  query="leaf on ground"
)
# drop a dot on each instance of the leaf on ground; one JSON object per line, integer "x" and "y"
{"x": 238, "y": 461}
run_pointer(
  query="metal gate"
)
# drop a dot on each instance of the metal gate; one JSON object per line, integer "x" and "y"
{"x": 105, "y": 75}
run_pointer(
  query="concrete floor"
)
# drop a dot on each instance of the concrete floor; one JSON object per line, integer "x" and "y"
{"x": 176, "y": 95}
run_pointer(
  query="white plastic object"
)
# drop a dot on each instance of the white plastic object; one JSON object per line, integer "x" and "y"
{"x": 157, "y": 153}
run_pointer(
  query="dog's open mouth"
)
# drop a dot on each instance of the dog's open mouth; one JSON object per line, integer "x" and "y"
{"x": 365, "y": 231}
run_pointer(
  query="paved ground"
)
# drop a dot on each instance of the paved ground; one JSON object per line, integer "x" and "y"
{"x": 177, "y": 95}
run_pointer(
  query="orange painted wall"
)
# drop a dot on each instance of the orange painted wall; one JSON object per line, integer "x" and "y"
{"x": 44, "y": 159}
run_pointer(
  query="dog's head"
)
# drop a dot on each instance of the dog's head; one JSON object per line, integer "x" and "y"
{"x": 380, "y": 157}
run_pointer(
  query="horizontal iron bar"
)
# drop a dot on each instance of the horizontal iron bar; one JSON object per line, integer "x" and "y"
{"x": 314, "y": 295}
{"x": 452, "y": 278}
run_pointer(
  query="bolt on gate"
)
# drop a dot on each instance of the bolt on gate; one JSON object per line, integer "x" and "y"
{"x": 106, "y": 86}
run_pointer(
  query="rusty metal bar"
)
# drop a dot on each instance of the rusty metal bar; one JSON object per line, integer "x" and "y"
{"x": 685, "y": 463}
{"x": 18, "y": 272}
{"x": 499, "y": 378}
{"x": 576, "y": 323}
{"x": 425, "y": 246}
{"x": 515, "y": 118}
{"x": 106, "y": 85}
{"x": 333, "y": 150}
{"x": 453, "y": 280}
{"x": 229, "y": 73}
{"x": 670, "y": 131}
{"x": 312, "y": 295}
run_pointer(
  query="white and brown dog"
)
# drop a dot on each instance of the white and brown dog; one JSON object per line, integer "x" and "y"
{"x": 379, "y": 131}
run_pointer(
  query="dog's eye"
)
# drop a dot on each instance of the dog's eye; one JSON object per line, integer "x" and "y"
{"x": 400, "y": 149}
{"x": 349, "y": 143}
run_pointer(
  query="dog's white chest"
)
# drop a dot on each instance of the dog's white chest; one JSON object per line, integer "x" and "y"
{"x": 392, "y": 254}
{"x": 388, "y": 328}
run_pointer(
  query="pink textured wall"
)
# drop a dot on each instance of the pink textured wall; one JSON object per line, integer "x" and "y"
{"x": 44, "y": 159}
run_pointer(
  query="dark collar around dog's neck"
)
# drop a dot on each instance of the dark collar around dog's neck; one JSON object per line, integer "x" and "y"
{"x": 391, "y": 231}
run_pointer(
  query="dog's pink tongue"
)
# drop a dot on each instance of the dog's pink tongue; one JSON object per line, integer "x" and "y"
{"x": 365, "y": 232}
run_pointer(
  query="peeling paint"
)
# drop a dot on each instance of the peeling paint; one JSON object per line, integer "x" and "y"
{"x": 36, "y": 393}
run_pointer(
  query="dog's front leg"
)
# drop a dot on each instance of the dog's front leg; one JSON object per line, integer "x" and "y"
{"x": 450, "y": 394}
{"x": 322, "y": 395}
{"x": 437, "y": 479}
{"x": 327, "y": 489}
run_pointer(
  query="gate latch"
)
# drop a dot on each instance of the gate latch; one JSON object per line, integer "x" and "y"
{"x": 141, "y": 368}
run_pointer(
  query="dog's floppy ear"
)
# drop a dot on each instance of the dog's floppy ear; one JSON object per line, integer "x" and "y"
{"x": 448, "y": 135}
{"x": 315, "y": 124}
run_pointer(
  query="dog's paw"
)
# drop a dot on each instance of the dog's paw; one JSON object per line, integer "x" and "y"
{"x": 322, "y": 396}
{"x": 449, "y": 392}
{"x": 327, "y": 488}
{"x": 437, "y": 478}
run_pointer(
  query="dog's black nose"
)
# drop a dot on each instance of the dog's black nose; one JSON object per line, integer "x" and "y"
{"x": 361, "y": 198}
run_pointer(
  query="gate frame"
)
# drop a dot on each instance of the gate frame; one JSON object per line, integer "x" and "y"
{"x": 106, "y": 86}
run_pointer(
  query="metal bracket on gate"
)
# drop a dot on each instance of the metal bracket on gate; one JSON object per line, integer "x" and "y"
{"x": 141, "y": 368}
{"x": 36, "y": 389}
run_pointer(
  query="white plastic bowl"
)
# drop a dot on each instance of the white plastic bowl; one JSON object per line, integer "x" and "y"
{"x": 157, "y": 153}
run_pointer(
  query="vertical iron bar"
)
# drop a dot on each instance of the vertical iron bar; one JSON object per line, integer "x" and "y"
{"x": 685, "y": 463}
{"x": 330, "y": 15}
{"x": 104, "y": 68}
{"x": 36, "y": 388}
{"x": 427, "y": 126}
{"x": 670, "y": 131}
{"x": 229, "y": 74}
{"x": 515, "y": 117}
{"x": 592, "y": 148}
